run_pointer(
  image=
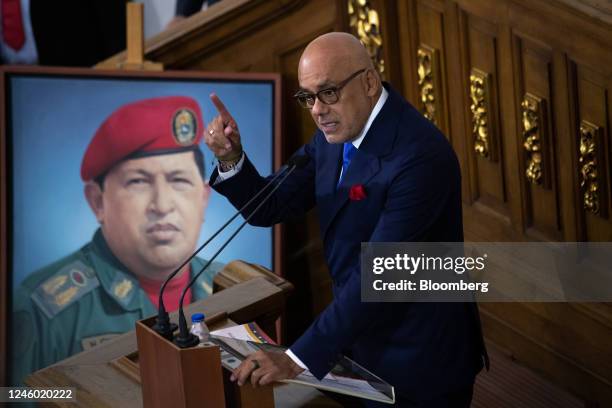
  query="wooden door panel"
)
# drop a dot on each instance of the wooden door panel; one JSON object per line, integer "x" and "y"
{"x": 480, "y": 40}
{"x": 534, "y": 66}
{"x": 592, "y": 149}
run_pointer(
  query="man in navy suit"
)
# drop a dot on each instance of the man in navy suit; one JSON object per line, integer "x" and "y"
{"x": 378, "y": 171}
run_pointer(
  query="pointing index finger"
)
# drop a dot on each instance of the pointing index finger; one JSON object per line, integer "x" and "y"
{"x": 227, "y": 117}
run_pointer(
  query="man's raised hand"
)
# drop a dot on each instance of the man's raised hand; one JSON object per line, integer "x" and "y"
{"x": 222, "y": 136}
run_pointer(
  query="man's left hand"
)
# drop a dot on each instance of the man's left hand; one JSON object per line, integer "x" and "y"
{"x": 265, "y": 368}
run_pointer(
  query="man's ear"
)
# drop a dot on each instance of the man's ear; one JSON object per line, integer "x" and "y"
{"x": 373, "y": 82}
{"x": 93, "y": 194}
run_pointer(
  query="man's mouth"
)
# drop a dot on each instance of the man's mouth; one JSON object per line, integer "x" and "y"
{"x": 328, "y": 127}
{"x": 162, "y": 231}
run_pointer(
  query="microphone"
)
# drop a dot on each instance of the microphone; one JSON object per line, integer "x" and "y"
{"x": 185, "y": 339}
{"x": 162, "y": 324}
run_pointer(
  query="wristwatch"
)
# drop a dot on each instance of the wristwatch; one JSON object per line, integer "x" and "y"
{"x": 230, "y": 164}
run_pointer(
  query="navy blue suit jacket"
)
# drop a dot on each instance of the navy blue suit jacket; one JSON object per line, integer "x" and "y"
{"x": 412, "y": 181}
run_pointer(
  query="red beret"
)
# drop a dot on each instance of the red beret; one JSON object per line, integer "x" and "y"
{"x": 150, "y": 126}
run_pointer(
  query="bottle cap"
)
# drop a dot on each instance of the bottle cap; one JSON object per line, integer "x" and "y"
{"x": 197, "y": 317}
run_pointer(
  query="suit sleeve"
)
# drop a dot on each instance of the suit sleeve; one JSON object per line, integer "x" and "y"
{"x": 416, "y": 199}
{"x": 294, "y": 197}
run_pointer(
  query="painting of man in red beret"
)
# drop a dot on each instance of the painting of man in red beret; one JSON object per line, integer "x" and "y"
{"x": 144, "y": 180}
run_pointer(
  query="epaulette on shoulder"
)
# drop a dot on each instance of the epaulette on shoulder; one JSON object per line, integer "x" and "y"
{"x": 63, "y": 288}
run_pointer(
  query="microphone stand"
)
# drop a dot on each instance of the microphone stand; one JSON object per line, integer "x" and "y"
{"x": 185, "y": 339}
{"x": 162, "y": 324}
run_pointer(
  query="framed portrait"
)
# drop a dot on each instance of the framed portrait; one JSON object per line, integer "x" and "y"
{"x": 49, "y": 117}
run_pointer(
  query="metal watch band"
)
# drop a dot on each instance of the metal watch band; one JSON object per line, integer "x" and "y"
{"x": 227, "y": 165}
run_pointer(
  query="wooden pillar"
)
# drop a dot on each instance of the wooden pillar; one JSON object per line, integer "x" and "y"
{"x": 133, "y": 58}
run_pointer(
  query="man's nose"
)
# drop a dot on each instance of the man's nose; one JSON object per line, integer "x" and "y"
{"x": 319, "y": 108}
{"x": 162, "y": 201}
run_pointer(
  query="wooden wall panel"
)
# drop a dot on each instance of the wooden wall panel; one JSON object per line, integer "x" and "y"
{"x": 533, "y": 63}
{"x": 431, "y": 57}
{"x": 584, "y": 343}
{"x": 525, "y": 348}
{"x": 389, "y": 26}
{"x": 568, "y": 343}
{"x": 480, "y": 42}
{"x": 443, "y": 40}
{"x": 593, "y": 107}
{"x": 408, "y": 43}
{"x": 565, "y": 147}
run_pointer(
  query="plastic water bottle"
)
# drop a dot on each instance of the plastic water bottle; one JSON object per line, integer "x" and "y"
{"x": 198, "y": 327}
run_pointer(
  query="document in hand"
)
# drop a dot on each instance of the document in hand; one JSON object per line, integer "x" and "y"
{"x": 347, "y": 377}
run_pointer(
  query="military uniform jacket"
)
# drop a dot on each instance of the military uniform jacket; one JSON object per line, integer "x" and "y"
{"x": 79, "y": 302}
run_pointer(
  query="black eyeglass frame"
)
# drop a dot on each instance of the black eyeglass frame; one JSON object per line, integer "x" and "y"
{"x": 301, "y": 95}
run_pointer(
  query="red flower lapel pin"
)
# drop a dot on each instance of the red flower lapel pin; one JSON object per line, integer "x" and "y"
{"x": 357, "y": 192}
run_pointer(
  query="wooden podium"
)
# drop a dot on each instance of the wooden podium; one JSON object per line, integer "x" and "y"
{"x": 109, "y": 375}
{"x": 171, "y": 376}
{"x": 192, "y": 377}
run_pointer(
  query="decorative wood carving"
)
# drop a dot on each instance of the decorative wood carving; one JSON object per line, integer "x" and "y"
{"x": 481, "y": 111}
{"x": 364, "y": 20}
{"x": 427, "y": 71}
{"x": 533, "y": 125}
{"x": 589, "y": 177}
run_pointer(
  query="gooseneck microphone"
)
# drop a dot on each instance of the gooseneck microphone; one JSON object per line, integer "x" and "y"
{"x": 162, "y": 325}
{"x": 185, "y": 338}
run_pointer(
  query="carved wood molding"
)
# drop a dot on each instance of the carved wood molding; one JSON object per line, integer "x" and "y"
{"x": 427, "y": 71}
{"x": 588, "y": 159}
{"x": 533, "y": 115}
{"x": 365, "y": 22}
{"x": 480, "y": 106}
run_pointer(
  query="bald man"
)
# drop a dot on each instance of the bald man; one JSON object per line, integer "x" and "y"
{"x": 378, "y": 172}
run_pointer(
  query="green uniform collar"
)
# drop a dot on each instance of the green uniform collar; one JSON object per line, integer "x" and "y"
{"x": 115, "y": 278}
{"x": 203, "y": 286}
{"x": 123, "y": 286}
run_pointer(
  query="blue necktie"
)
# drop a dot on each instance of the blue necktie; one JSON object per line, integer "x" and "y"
{"x": 347, "y": 155}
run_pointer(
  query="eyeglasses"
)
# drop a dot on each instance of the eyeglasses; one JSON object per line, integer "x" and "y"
{"x": 328, "y": 96}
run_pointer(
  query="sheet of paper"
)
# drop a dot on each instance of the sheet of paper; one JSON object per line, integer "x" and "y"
{"x": 347, "y": 377}
{"x": 246, "y": 332}
{"x": 335, "y": 381}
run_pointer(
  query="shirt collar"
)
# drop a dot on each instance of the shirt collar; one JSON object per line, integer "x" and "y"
{"x": 381, "y": 101}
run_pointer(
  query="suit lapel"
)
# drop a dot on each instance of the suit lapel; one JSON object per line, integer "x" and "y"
{"x": 377, "y": 143}
{"x": 329, "y": 170}
{"x": 363, "y": 167}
